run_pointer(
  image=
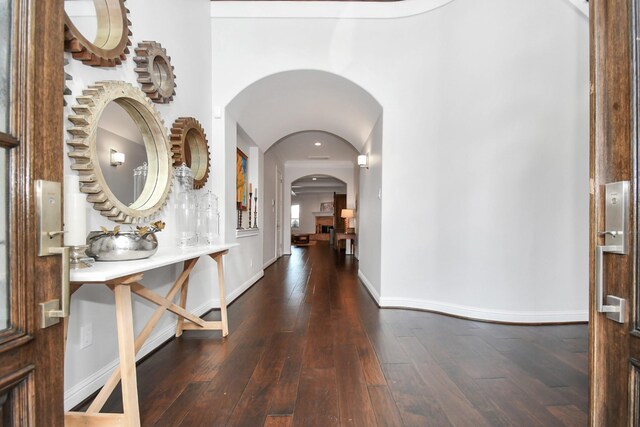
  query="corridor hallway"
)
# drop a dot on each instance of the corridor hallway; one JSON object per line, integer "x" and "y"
{"x": 309, "y": 347}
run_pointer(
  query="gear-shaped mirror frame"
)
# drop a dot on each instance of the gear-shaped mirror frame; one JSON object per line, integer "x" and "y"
{"x": 110, "y": 46}
{"x": 155, "y": 72}
{"x": 189, "y": 145}
{"x": 91, "y": 105}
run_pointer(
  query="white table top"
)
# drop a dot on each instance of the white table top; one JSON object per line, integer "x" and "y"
{"x": 104, "y": 271}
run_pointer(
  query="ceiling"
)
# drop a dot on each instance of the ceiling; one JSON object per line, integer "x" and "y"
{"x": 293, "y": 101}
{"x": 301, "y": 147}
{"x": 321, "y": 184}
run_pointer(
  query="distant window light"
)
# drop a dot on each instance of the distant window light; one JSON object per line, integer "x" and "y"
{"x": 295, "y": 216}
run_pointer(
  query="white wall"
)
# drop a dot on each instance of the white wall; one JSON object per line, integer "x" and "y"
{"x": 485, "y": 183}
{"x": 87, "y": 369}
{"x": 309, "y": 203}
{"x": 268, "y": 191}
{"x": 369, "y": 213}
{"x": 244, "y": 263}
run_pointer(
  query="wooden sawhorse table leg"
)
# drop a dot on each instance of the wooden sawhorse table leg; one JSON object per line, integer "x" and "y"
{"x": 128, "y": 347}
{"x": 224, "y": 324}
{"x": 127, "y": 352}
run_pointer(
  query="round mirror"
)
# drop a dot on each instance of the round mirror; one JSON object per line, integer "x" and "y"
{"x": 190, "y": 146}
{"x": 100, "y": 39}
{"x": 117, "y": 134}
{"x": 121, "y": 151}
{"x": 84, "y": 18}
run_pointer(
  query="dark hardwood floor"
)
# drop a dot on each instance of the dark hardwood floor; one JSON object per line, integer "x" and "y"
{"x": 309, "y": 347}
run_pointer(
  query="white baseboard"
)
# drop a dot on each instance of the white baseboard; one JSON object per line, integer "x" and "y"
{"x": 490, "y": 315}
{"x": 239, "y": 291}
{"x": 369, "y": 287}
{"x": 89, "y": 385}
{"x": 268, "y": 263}
{"x": 474, "y": 312}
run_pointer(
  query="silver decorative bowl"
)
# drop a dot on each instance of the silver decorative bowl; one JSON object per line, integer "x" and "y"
{"x": 125, "y": 246}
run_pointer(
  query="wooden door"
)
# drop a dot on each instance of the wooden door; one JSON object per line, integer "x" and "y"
{"x": 31, "y": 119}
{"x": 614, "y": 346}
{"x": 279, "y": 213}
{"x": 339, "y": 203}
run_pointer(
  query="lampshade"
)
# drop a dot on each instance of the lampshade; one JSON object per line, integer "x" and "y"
{"x": 363, "y": 161}
{"x": 117, "y": 158}
{"x": 346, "y": 213}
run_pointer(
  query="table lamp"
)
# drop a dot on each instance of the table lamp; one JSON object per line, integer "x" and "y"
{"x": 346, "y": 214}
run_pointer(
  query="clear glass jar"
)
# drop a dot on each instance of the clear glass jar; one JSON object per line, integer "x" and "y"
{"x": 186, "y": 207}
{"x": 208, "y": 220}
{"x": 139, "y": 179}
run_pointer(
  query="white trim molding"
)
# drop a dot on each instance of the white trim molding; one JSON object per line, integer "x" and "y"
{"x": 231, "y": 297}
{"x": 524, "y": 317}
{"x": 369, "y": 287}
{"x": 268, "y": 263}
{"x": 246, "y": 232}
{"x": 506, "y": 316}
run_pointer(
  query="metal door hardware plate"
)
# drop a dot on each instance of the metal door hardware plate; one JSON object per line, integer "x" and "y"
{"x": 616, "y": 221}
{"x": 616, "y": 217}
{"x": 620, "y": 304}
{"x": 49, "y": 212}
{"x": 47, "y": 307}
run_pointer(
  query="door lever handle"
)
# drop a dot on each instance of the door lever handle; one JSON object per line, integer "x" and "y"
{"x": 52, "y": 311}
{"x": 615, "y": 307}
{"x": 610, "y": 233}
{"x": 53, "y": 234}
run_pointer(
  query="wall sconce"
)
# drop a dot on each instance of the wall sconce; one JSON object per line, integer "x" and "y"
{"x": 346, "y": 214}
{"x": 117, "y": 158}
{"x": 363, "y": 161}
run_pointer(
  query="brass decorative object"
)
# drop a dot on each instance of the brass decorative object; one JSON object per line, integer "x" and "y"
{"x": 189, "y": 145}
{"x": 255, "y": 212}
{"x": 155, "y": 72}
{"x": 85, "y": 158}
{"x": 110, "y": 46}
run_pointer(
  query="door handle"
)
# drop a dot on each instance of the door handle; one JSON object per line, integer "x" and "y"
{"x": 616, "y": 216}
{"x": 615, "y": 307}
{"x": 49, "y": 214}
{"x": 53, "y": 310}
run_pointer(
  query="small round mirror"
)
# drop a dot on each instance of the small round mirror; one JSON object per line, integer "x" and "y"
{"x": 155, "y": 72}
{"x": 190, "y": 146}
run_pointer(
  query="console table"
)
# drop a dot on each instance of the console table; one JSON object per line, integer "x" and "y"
{"x": 300, "y": 238}
{"x": 345, "y": 237}
{"x": 123, "y": 278}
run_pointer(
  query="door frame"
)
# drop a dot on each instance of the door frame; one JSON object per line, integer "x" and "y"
{"x": 612, "y": 158}
{"x": 31, "y": 358}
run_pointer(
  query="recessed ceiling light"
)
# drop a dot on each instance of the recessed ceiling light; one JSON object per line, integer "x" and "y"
{"x": 318, "y": 144}
{"x": 314, "y": 178}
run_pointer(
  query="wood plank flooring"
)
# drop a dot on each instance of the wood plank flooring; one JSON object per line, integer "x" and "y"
{"x": 309, "y": 347}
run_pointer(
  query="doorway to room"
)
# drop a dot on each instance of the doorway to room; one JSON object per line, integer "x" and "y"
{"x": 316, "y": 203}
